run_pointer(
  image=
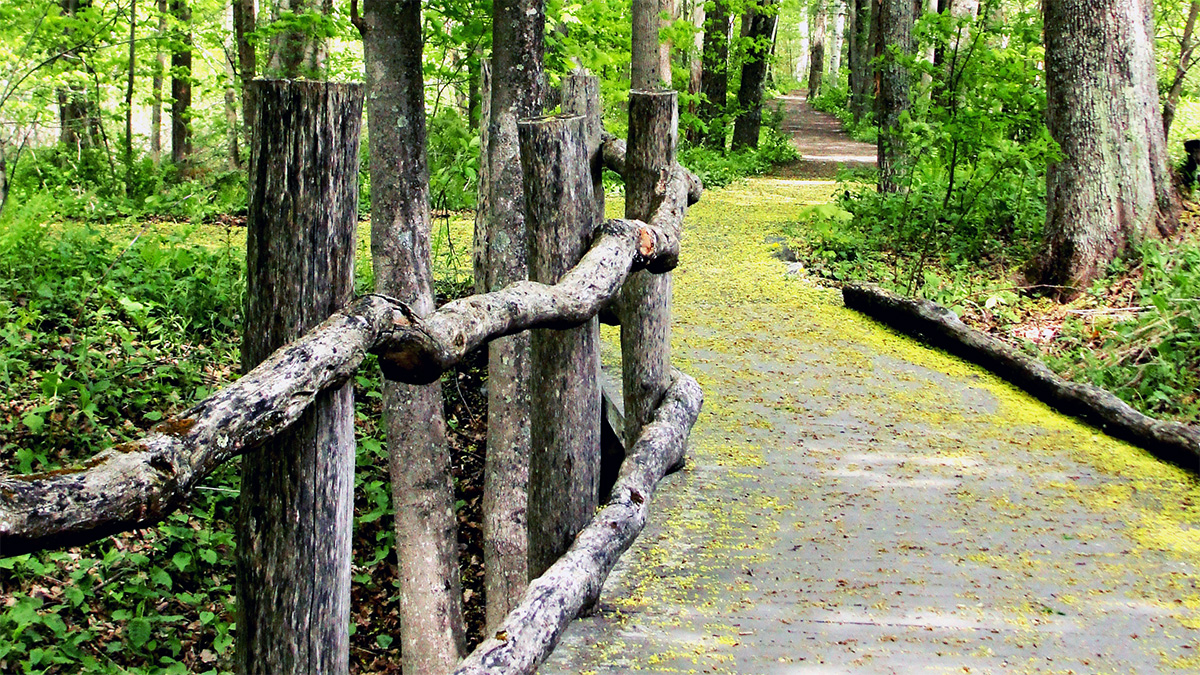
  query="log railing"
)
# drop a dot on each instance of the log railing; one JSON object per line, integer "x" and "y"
{"x": 138, "y": 484}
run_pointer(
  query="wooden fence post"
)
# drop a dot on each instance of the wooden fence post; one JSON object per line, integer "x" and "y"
{"x": 297, "y": 492}
{"x": 645, "y": 302}
{"x": 564, "y": 466}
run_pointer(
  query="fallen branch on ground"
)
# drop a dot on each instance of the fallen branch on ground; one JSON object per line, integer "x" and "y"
{"x": 534, "y": 627}
{"x": 1173, "y": 441}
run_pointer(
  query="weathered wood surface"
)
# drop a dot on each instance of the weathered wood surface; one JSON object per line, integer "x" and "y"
{"x": 138, "y": 484}
{"x": 1179, "y": 443}
{"x": 423, "y": 349}
{"x": 581, "y": 96}
{"x": 681, "y": 182}
{"x": 564, "y": 422}
{"x": 297, "y": 492}
{"x": 646, "y": 297}
{"x": 432, "y": 637}
{"x": 533, "y": 629}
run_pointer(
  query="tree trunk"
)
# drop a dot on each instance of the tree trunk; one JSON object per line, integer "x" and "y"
{"x": 298, "y": 53}
{"x": 714, "y": 82}
{"x": 816, "y": 62}
{"x": 181, "y": 90}
{"x": 1186, "y": 48}
{"x": 129, "y": 98}
{"x": 802, "y": 63}
{"x": 858, "y": 30}
{"x": 646, "y": 298}
{"x": 232, "y": 81}
{"x": 564, "y": 467}
{"x": 78, "y": 113}
{"x": 837, "y": 40}
{"x": 695, "y": 134}
{"x": 670, "y": 12}
{"x": 1112, "y": 187}
{"x": 517, "y": 92}
{"x": 895, "y": 35}
{"x": 297, "y": 492}
{"x": 244, "y": 23}
{"x": 431, "y": 637}
{"x": 754, "y": 70}
{"x": 156, "y": 88}
{"x": 645, "y": 66}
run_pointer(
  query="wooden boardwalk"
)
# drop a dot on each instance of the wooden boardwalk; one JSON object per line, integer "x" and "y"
{"x": 856, "y": 503}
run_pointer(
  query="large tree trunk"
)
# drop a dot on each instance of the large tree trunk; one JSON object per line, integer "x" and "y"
{"x": 896, "y": 18}
{"x": 816, "y": 66}
{"x": 754, "y": 70}
{"x": 78, "y": 113}
{"x": 1112, "y": 188}
{"x": 297, "y": 53}
{"x": 431, "y": 638}
{"x": 696, "y": 71}
{"x": 517, "y": 92}
{"x": 244, "y": 23}
{"x": 1186, "y": 48}
{"x": 181, "y": 90}
{"x": 297, "y": 492}
{"x": 714, "y": 82}
{"x": 232, "y": 82}
{"x": 564, "y": 467}
{"x": 802, "y": 64}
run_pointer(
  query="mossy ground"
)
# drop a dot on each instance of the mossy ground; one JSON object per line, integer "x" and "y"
{"x": 857, "y": 502}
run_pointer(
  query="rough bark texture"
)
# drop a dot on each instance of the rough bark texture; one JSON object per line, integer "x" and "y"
{"x": 816, "y": 59}
{"x": 1179, "y": 443}
{"x": 645, "y": 68}
{"x": 517, "y": 92}
{"x": 896, "y": 18}
{"x": 138, "y": 484}
{"x": 646, "y": 298}
{"x": 297, "y": 492}
{"x": 754, "y": 72}
{"x": 531, "y": 631}
{"x": 1112, "y": 188}
{"x": 714, "y": 81}
{"x": 479, "y": 239}
{"x": 1186, "y": 49}
{"x": 581, "y": 96}
{"x": 564, "y": 465}
{"x": 432, "y": 638}
{"x": 181, "y": 89}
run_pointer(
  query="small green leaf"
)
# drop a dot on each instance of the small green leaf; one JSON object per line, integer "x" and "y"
{"x": 182, "y": 560}
{"x": 138, "y": 631}
{"x": 384, "y": 641}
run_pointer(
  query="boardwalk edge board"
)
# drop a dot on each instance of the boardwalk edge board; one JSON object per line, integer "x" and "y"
{"x": 532, "y": 630}
{"x": 1175, "y": 442}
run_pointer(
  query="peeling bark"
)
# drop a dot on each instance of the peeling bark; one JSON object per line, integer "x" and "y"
{"x": 1175, "y": 442}
{"x": 534, "y": 627}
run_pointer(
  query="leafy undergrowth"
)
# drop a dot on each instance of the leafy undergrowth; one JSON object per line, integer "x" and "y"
{"x": 108, "y": 332}
{"x": 1135, "y": 332}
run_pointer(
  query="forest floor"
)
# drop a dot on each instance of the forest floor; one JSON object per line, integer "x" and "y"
{"x": 856, "y": 502}
{"x": 823, "y": 145}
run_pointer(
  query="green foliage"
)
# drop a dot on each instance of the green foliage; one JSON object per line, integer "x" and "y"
{"x": 453, "y": 161}
{"x": 717, "y": 169}
{"x": 1150, "y": 356}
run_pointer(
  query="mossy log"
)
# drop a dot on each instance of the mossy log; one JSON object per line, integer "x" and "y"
{"x": 532, "y": 630}
{"x": 1172, "y": 441}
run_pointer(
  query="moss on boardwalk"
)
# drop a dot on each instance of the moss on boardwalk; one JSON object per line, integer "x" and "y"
{"x": 859, "y": 502}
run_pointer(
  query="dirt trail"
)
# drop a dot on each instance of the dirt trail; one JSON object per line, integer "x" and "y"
{"x": 824, "y": 147}
{"x": 856, "y": 503}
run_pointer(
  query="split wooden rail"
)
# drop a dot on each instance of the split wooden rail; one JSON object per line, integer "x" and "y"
{"x": 304, "y": 178}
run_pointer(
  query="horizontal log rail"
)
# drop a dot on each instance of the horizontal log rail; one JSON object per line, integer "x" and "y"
{"x": 532, "y": 630}
{"x": 137, "y": 484}
{"x": 1172, "y": 441}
